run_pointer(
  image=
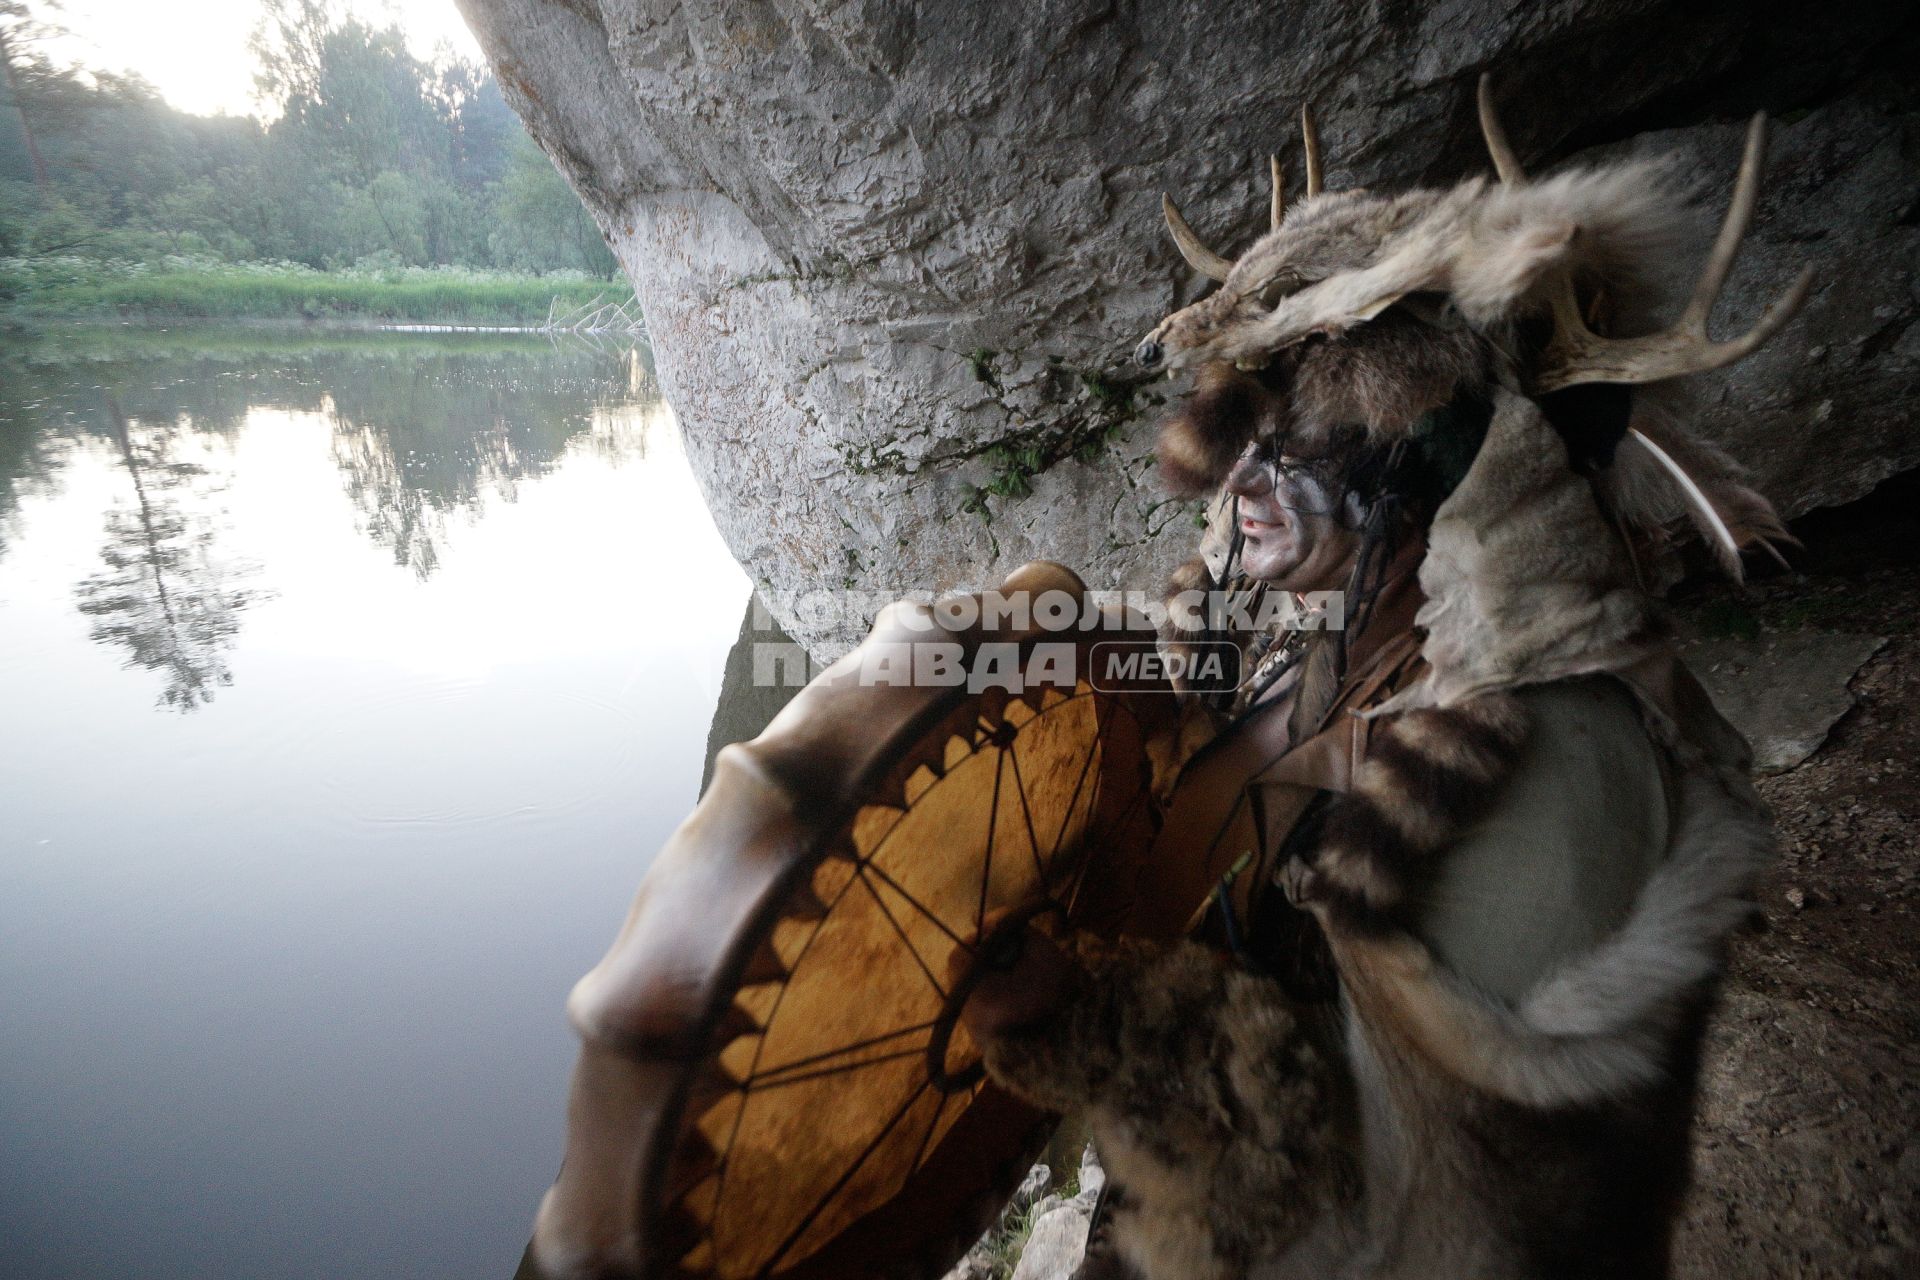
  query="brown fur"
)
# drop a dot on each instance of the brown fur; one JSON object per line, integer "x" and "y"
{"x": 1197, "y": 446}
{"x": 1384, "y": 376}
{"x": 1381, "y": 377}
{"x": 1217, "y": 1106}
{"x": 1494, "y": 1188}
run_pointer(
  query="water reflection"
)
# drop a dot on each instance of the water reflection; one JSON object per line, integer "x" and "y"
{"x": 472, "y": 428}
{"x": 164, "y": 592}
{"x": 458, "y": 423}
{"x": 451, "y": 618}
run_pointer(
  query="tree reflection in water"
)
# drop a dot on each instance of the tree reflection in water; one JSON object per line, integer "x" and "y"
{"x": 423, "y": 439}
{"x": 28, "y": 461}
{"x": 423, "y": 430}
{"x": 163, "y": 592}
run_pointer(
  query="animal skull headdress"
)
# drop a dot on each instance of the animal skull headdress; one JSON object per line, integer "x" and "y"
{"x": 1361, "y": 310}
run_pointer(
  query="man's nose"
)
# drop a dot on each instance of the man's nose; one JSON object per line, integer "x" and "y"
{"x": 1250, "y": 477}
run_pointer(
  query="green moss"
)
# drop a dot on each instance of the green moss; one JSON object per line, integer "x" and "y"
{"x": 881, "y": 458}
{"x": 981, "y": 359}
{"x": 1077, "y": 416}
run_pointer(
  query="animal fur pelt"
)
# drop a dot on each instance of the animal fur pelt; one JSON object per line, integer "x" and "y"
{"x": 1217, "y": 1105}
{"x": 1428, "y": 775}
{"x": 1553, "y": 1127}
{"x": 1224, "y": 412}
{"x": 1525, "y": 579}
{"x": 1338, "y": 263}
{"x": 1368, "y": 311}
{"x": 1601, "y": 1028}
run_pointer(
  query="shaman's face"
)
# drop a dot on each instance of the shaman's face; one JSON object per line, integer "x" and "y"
{"x": 1295, "y": 519}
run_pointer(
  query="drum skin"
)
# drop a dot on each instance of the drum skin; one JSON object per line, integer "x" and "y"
{"x": 772, "y": 1079}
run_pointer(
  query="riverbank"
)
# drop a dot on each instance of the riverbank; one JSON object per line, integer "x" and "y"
{"x": 82, "y": 289}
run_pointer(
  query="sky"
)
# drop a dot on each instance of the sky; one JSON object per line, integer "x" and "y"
{"x": 195, "y": 51}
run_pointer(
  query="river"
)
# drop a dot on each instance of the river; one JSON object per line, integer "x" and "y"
{"x": 347, "y": 685}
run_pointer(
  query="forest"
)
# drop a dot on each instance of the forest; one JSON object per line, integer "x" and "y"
{"x": 372, "y": 183}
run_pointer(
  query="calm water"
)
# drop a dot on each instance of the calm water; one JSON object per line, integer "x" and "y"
{"x": 346, "y": 688}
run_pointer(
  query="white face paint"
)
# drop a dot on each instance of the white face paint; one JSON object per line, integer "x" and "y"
{"x": 1290, "y": 518}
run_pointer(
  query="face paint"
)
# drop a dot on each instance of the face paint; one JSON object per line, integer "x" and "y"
{"x": 1290, "y": 519}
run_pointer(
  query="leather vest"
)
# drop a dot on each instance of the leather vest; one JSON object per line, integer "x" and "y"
{"x": 1240, "y": 797}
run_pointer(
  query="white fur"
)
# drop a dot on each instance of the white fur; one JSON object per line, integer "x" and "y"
{"x": 1490, "y": 248}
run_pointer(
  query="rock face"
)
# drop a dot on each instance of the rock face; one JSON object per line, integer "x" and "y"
{"x": 894, "y": 253}
{"x": 1784, "y": 692}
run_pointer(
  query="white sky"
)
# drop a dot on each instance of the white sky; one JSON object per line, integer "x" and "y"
{"x": 195, "y": 51}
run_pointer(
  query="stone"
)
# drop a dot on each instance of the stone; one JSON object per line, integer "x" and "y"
{"x": 1092, "y": 1176}
{"x": 1824, "y": 413}
{"x": 1031, "y": 1188}
{"x": 984, "y": 1259}
{"x": 1783, "y": 689}
{"x": 752, "y": 690}
{"x": 894, "y": 254}
{"x": 1058, "y": 1241}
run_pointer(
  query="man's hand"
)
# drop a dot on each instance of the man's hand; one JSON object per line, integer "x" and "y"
{"x": 1021, "y": 978}
{"x": 1301, "y": 883}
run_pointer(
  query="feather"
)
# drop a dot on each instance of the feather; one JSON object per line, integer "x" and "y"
{"x": 1727, "y": 512}
{"x": 1725, "y": 547}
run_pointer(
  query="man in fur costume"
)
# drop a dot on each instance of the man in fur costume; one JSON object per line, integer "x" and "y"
{"x": 1475, "y": 859}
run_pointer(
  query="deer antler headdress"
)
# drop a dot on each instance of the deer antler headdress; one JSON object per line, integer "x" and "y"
{"x": 1539, "y": 302}
{"x": 1522, "y": 271}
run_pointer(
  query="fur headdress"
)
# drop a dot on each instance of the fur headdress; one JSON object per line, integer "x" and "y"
{"x": 1371, "y": 311}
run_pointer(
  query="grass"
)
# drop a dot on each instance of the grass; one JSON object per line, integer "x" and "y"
{"x": 61, "y": 342}
{"x": 998, "y": 1252}
{"x": 205, "y": 289}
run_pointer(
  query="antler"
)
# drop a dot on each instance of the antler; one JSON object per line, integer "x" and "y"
{"x": 1195, "y": 250}
{"x": 1577, "y": 355}
{"x": 1192, "y": 247}
{"x": 1310, "y": 140}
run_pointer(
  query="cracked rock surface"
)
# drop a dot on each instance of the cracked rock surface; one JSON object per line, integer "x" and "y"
{"x": 894, "y": 253}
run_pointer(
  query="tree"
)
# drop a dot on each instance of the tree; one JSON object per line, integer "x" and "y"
{"x": 540, "y": 223}
{"x": 19, "y": 30}
{"x": 372, "y": 155}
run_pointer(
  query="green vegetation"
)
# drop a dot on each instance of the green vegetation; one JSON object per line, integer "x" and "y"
{"x": 377, "y": 186}
{"x": 1000, "y": 1249}
{"x": 205, "y": 288}
{"x": 219, "y": 348}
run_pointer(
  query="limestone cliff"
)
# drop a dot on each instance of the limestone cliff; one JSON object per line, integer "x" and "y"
{"x": 894, "y": 253}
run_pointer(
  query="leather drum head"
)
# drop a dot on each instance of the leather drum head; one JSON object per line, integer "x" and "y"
{"x": 773, "y": 1081}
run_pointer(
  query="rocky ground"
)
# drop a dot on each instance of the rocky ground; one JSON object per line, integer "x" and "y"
{"x": 1809, "y": 1138}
